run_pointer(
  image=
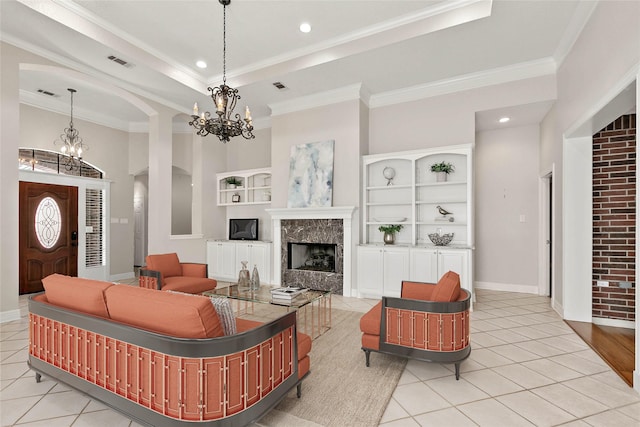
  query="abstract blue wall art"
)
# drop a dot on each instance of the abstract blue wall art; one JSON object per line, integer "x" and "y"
{"x": 311, "y": 175}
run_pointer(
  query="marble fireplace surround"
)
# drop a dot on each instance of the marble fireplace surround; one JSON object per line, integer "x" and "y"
{"x": 291, "y": 216}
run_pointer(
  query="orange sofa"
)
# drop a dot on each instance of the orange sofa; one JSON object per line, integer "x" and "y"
{"x": 166, "y": 272}
{"x": 428, "y": 322}
{"x": 162, "y": 358}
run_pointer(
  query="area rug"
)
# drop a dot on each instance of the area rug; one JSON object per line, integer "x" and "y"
{"x": 340, "y": 390}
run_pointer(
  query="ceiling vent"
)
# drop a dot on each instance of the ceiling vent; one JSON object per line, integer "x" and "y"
{"x": 46, "y": 92}
{"x": 120, "y": 61}
{"x": 279, "y": 86}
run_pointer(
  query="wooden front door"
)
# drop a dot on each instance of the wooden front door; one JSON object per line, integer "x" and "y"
{"x": 48, "y": 233}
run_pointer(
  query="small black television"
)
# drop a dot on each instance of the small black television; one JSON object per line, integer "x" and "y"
{"x": 243, "y": 229}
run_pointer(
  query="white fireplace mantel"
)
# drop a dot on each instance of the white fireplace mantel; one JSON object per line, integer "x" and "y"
{"x": 339, "y": 212}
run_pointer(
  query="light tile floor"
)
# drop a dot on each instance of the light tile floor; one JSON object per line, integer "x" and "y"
{"x": 527, "y": 367}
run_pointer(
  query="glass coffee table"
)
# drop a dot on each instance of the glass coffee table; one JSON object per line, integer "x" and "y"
{"x": 313, "y": 307}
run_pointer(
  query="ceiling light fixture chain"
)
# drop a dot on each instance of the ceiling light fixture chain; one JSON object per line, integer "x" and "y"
{"x": 224, "y": 98}
{"x": 72, "y": 145}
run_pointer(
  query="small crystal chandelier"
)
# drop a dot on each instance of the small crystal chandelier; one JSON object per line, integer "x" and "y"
{"x": 71, "y": 142}
{"x": 224, "y": 98}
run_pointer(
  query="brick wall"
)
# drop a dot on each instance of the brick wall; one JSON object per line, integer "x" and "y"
{"x": 614, "y": 207}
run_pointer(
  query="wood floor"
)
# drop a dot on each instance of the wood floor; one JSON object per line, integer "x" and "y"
{"x": 616, "y": 346}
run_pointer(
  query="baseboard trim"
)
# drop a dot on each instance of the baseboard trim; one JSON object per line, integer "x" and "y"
{"x": 557, "y": 307}
{"x": 507, "y": 287}
{"x": 122, "y": 276}
{"x": 9, "y": 316}
{"x": 613, "y": 322}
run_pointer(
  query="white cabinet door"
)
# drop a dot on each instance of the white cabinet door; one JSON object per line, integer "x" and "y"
{"x": 456, "y": 261}
{"x": 225, "y": 262}
{"x": 395, "y": 270}
{"x": 370, "y": 271}
{"x": 258, "y": 255}
{"x": 424, "y": 265}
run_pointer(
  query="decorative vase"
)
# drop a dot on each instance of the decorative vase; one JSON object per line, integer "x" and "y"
{"x": 389, "y": 238}
{"x": 231, "y": 186}
{"x": 244, "y": 279}
{"x": 441, "y": 176}
{"x": 255, "y": 279}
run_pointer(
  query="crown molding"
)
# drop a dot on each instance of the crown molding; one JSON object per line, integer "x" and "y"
{"x": 521, "y": 71}
{"x": 94, "y": 77}
{"x": 77, "y": 18}
{"x": 321, "y": 99}
{"x": 433, "y": 18}
{"x": 579, "y": 20}
{"x": 56, "y": 105}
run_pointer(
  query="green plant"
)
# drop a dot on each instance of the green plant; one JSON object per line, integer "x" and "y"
{"x": 390, "y": 228}
{"x": 232, "y": 180}
{"x": 442, "y": 167}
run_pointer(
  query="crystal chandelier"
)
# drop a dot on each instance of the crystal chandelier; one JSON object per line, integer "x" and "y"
{"x": 71, "y": 142}
{"x": 225, "y": 124}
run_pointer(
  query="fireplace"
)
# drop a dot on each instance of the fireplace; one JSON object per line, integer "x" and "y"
{"x": 311, "y": 257}
{"x": 306, "y": 240}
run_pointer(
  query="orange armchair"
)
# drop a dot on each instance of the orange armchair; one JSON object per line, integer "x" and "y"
{"x": 428, "y": 322}
{"x": 166, "y": 272}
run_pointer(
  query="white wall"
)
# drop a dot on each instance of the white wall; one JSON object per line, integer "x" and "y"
{"x": 448, "y": 119}
{"x": 339, "y": 122}
{"x": 9, "y": 141}
{"x": 604, "y": 55}
{"x": 604, "y": 60}
{"x": 506, "y": 189}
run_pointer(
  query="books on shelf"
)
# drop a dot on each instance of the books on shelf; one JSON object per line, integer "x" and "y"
{"x": 287, "y": 293}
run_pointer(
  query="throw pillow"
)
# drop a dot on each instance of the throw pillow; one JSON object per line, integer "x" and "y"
{"x": 225, "y": 313}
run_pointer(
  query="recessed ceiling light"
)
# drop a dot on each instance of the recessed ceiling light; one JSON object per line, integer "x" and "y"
{"x": 305, "y": 27}
{"x": 201, "y": 64}
{"x": 504, "y": 119}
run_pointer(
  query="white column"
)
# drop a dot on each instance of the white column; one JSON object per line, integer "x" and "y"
{"x": 576, "y": 229}
{"x": 277, "y": 252}
{"x": 160, "y": 158}
{"x": 10, "y": 137}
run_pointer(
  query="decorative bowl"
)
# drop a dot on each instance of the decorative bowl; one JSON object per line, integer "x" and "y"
{"x": 441, "y": 239}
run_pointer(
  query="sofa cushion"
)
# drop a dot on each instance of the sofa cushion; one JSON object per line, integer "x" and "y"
{"x": 78, "y": 294}
{"x": 447, "y": 289}
{"x": 167, "y": 264}
{"x": 223, "y": 308}
{"x": 168, "y": 313}
{"x": 190, "y": 285}
{"x": 417, "y": 290}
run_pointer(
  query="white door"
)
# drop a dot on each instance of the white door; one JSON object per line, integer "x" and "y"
{"x": 139, "y": 237}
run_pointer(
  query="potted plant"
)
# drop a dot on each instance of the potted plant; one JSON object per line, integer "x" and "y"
{"x": 233, "y": 182}
{"x": 442, "y": 169}
{"x": 390, "y": 231}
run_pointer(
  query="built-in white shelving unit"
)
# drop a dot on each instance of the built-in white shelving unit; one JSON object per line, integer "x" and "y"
{"x": 411, "y": 199}
{"x": 255, "y": 188}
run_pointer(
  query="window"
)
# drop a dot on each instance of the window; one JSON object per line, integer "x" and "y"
{"x": 95, "y": 221}
{"x": 48, "y": 222}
